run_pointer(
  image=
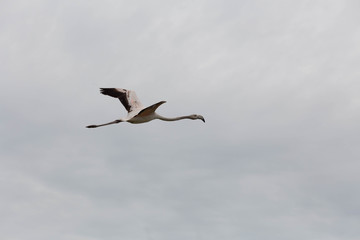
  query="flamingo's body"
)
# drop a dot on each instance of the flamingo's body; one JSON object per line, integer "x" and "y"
{"x": 136, "y": 111}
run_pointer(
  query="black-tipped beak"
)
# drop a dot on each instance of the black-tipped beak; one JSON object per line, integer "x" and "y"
{"x": 202, "y": 119}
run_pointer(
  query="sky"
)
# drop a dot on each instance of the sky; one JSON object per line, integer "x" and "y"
{"x": 277, "y": 82}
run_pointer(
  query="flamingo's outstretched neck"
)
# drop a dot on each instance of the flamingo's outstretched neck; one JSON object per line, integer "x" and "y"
{"x": 192, "y": 117}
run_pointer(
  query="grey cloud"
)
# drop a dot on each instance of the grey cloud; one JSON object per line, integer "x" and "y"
{"x": 276, "y": 82}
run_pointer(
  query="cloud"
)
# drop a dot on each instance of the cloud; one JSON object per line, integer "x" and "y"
{"x": 276, "y": 82}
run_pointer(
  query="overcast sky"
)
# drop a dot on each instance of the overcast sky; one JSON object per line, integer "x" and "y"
{"x": 277, "y": 82}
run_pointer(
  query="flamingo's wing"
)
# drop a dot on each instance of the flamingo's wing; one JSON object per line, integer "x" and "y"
{"x": 128, "y": 98}
{"x": 150, "y": 110}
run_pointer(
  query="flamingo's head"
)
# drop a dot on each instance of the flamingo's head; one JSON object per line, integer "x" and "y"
{"x": 196, "y": 116}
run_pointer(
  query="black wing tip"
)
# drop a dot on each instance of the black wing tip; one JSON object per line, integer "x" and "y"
{"x": 106, "y": 91}
{"x": 102, "y": 90}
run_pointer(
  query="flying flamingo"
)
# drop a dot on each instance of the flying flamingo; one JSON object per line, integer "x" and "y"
{"x": 136, "y": 111}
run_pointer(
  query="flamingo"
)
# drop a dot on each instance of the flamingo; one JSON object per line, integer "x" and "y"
{"x": 136, "y": 111}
